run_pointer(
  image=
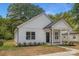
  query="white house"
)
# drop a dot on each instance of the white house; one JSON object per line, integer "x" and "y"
{"x": 41, "y": 29}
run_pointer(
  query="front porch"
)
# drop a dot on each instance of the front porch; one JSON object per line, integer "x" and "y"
{"x": 56, "y": 36}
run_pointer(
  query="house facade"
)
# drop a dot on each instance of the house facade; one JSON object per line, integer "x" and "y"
{"x": 41, "y": 29}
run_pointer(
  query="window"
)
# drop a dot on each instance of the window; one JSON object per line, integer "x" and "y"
{"x": 56, "y": 35}
{"x": 33, "y": 35}
{"x": 30, "y": 35}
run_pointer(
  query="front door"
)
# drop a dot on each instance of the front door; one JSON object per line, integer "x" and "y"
{"x": 47, "y": 37}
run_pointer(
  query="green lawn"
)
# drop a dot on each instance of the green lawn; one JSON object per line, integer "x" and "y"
{"x": 8, "y": 45}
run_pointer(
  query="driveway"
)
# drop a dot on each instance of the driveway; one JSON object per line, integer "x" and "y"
{"x": 70, "y": 52}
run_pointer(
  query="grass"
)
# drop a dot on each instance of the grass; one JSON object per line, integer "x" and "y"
{"x": 9, "y": 49}
{"x": 8, "y": 45}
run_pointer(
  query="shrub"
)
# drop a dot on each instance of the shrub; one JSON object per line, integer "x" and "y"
{"x": 43, "y": 43}
{"x": 24, "y": 44}
{"x": 19, "y": 44}
{"x": 8, "y": 36}
{"x": 68, "y": 43}
{"x": 65, "y": 42}
{"x": 30, "y": 43}
{"x": 1, "y": 43}
{"x": 71, "y": 43}
{"x": 39, "y": 43}
{"x": 35, "y": 43}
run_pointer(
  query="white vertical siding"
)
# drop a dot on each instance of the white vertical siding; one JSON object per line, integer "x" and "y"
{"x": 39, "y": 37}
{"x": 61, "y": 25}
{"x": 36, "y": 25}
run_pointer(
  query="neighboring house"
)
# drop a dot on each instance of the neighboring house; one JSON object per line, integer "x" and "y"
{"x": 74, "y": 36}
{"x": 41, "y": 29}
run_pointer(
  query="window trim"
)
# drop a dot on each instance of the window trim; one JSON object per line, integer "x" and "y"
{"x": 56, "y": 35}
{"x": 27, "y": 36}
{"x": 31, "y": 35}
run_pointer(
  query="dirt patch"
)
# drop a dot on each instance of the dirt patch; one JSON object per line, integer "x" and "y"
{"x": 29, "y": 51}
{"x": 9, "y": 49}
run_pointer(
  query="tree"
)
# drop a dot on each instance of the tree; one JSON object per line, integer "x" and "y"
{"x": 67, "y": 16}
{"x": 1, "y": 17}
{"x": 6, "y": 28}
{"x": 23, "y": 11}
{"x": 17, "y": 14}
{"x": 75, "y": 12}
{"x": 56, "y": 17}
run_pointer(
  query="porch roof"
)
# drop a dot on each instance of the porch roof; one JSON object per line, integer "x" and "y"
{"x": 49, "y": 25}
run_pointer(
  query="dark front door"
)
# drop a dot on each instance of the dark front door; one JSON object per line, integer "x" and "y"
{"x": 47, "y": 37}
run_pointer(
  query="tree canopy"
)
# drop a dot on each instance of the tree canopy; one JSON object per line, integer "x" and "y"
{"x": 68, "y": 17}
{"x": 17, "y": 14}
{"x": 75, "y": 13}
{"x": 23, "y": 11}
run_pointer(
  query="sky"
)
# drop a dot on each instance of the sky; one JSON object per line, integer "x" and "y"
{"x": 50, "y": 8}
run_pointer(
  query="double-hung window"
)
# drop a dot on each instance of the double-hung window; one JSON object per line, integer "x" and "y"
{"x": 30, "y": 35}
{"x": 56, "y": 35}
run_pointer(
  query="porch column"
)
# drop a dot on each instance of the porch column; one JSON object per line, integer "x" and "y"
{"x": 52, "y": 36}
{"x": 68, "y": 38}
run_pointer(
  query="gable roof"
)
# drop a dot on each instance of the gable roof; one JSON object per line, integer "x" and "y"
{"x": 53, "y": 23}
{"x": 47, "y": 26}
{"x": 34, "y": 18}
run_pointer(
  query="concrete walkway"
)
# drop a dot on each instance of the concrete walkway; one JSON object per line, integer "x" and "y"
{"x": 70, "y": 52}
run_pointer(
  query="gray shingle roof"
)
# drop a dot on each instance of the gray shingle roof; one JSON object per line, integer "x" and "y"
{"x": 49, "y": 25}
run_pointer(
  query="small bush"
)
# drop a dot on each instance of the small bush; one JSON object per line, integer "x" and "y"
{"x": 1, "y": 43}
{"x": 39, "y": 43}
{"x": 30, "y": 43}
{"x": 35, "y": 43}
{"x": 19, "y": 44}
{"x": 24, "y": 44}
{"x": 71, "y": 43}
{"x": 65, "y": 42}
{"x": 43, "y": 43}
{"x": 68, "y": 43}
